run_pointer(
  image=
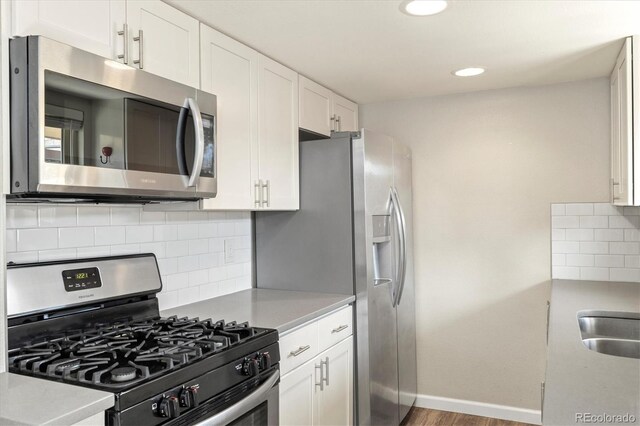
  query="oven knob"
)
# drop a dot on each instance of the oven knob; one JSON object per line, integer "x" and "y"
{"x": 265, "y": 361}
{"x": 169, "y": 407}
{"x": 251, "y": 367}
{"x": 189, "y": 396}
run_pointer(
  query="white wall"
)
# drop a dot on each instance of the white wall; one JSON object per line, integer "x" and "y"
{"x": 189, "y": 245}
{"x": 487, "y": 165}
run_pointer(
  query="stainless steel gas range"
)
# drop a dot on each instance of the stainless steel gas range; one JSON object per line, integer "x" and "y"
{"x": 96, "y": 323}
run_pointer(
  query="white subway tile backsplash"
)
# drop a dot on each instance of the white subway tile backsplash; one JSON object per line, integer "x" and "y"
{"x": 565, "y": 222}
{"x": 609, "y": 261}
{"x": 11, "y": 240}
{"x": 177, "y": 248}
{"x": 22, "y": 216}
{"x": 565, "y": 247}
{"x": 75, "y": 237}
{"x": 608, "y": 234}
{"x": 93, "y": 216}
{"x": 603, "y": 245}
{"x": 558, "y": 259}
{"x": 587, "y": 247}
{"x": 581, "y": 209}
{"x": 56, "y": 254}
{"x": 36, "y": 239}
{"x": 188, "y": 245}
{"x": 594, "y": 222}
{"x": 579, "y": 235}
{"x": 624, "y": 274}
{"x": 22, "y": 257}
{"x": 109, "y": 235}
{"x": 624, "y": 248}
{"x": 139, "y": 234}
{"x": 624, "y": 221}
{"x": 579, "y": 260}
{"x": 125, "y": 215}
{"x": 632, "y": 261}
{"x": 57, "y": 216}
{"x": 595, "y": 274}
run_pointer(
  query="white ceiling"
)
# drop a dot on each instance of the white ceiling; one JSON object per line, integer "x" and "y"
{"x": 371, "y": 52}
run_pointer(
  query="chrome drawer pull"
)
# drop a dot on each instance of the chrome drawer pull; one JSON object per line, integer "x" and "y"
{"x": 339, "y": 329}
{"x": 299, "y": 350}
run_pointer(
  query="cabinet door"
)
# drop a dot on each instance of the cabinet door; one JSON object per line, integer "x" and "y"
{"x": 315, "y": 107}
{"x": 297, "y": 396}
{"x": 335, "y": 401}
{"x": 346, "y": 114}
{"x": 170, "y": 42}
{"x": 278, "y": 135}
{"x": 622, "y": 129}
{"x": 230, "y": 71}
{"x": 89, "y": 25}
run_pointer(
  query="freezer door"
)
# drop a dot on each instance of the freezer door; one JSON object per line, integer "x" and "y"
{"x": 375, "y": 287}
{"x": 406, "y": 315}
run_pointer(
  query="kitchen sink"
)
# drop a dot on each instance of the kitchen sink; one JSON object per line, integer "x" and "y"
{"x": 611, "y": 333}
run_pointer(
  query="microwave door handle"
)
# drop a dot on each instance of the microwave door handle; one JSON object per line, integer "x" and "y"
{"x": 198, "y": 125}
{"x": 244, "y": 405}
{"x": 180, "y": 138}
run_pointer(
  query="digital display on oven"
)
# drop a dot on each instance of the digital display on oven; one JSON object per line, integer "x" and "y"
{"x": 81, "y": 279}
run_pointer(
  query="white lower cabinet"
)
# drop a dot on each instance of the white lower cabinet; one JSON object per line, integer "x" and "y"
{"x": 318, "y": 391}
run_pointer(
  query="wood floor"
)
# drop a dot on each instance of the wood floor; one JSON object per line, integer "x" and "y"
{"x": 424, "y": 417}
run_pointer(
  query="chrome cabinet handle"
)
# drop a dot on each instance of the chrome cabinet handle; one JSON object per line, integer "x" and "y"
{"x": 140, "y": 40}
{"x": 321, "y": 384}
{"x": 257, "y": 198}
{"x": 339, "y": 123}
{"x": 266, "y": 200}
{"x": 333, "y": 123}
{"x": 326, "y": 364}
{"x": 339, "y": 329}
{"x": 125, "y": 45}
{"x": 299, "y": 350}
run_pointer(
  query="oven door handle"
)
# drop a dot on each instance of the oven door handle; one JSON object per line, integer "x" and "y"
{"x": 247, "y": 403}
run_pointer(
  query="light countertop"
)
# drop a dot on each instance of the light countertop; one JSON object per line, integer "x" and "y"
{"x": 279, "y": 309}
{"x": 28, "y": 400}
{"x": 579, "y": 380}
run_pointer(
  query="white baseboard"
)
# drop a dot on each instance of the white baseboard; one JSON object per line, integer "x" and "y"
{"x": 474, "y": 408}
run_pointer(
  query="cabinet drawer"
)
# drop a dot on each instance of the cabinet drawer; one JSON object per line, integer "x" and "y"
{"x": 335, "y": 327}
{"x": 298, "y": 347}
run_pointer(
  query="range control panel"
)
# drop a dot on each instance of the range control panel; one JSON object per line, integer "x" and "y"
{"x": 81, "y": 279}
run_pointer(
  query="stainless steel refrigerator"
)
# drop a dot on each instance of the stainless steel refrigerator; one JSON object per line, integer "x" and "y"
{"x": 353, "y": 235}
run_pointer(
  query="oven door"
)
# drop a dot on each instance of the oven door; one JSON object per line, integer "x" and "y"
{"x": 258, "y": 408}
{"x": 88, "y": 127}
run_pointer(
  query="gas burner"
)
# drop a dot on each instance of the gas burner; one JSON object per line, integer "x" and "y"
{"x": 121, "y": 354}
{"x": 123, "y": 374}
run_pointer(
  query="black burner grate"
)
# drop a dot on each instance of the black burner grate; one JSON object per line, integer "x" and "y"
{"x": 121, "y": 355}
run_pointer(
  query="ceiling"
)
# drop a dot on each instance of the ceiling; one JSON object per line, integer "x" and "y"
{"x": 368, "y": 51}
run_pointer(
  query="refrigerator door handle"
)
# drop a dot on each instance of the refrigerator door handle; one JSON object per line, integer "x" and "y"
{"x": 402, "y": 267}
{"x": 394, "y": 211}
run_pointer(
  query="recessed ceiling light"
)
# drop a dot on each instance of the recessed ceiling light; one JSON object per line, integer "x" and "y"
{"x": 423, "y": 7}
{"x": 468, "y": 72}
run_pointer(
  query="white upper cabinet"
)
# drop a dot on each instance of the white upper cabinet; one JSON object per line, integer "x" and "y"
{"x": 624, "y": 191}
{"x": 230, "y": 70}
{"x": 164, "y": 41}
{"x": 345, "y": 114}
{"x": 89, "y": 25}
{"x": 278, "y": 136}
{"x": 315, "y": 107}
{"x": 323, "y": 111}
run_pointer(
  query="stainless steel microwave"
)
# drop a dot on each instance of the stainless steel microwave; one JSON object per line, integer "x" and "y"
{"x": 87, "y": 127}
